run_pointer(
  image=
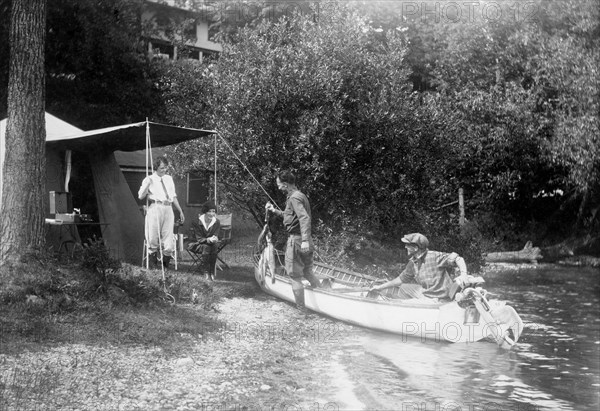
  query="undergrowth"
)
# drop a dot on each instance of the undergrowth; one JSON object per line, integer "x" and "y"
{"x": 371, "y": 253}
{"x": 99, "y": 300}
{"x": 361, "y": 252}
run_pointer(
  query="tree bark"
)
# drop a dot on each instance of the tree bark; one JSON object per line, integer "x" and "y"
{"x": 581, "y": 211}
{"x": 21, "y": 213}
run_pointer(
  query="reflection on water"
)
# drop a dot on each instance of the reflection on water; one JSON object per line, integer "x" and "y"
{"x": 555, "y": 366}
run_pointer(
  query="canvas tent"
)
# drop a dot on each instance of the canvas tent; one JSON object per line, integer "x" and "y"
{"x": 117, "y": 206}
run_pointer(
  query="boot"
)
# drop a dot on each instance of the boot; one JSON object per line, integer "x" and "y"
{"x": 299, "y": 297}
{"x": 166, "y": 261}
{"x": 212, "y": 272}
{"x": 152, "y": 261}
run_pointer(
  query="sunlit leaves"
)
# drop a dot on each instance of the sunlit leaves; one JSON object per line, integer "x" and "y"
{"x": 319, "y": 97}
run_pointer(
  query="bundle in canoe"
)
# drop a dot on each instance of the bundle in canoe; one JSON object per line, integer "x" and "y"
{"x": 345, "y": 296}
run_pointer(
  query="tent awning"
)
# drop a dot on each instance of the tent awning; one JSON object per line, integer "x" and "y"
{"x": 128, "y": 137}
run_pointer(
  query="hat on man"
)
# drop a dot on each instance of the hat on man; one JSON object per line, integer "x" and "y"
{"x": 417, "y": 239}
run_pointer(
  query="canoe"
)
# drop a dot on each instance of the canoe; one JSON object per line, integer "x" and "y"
{"x": 345, "y": 296}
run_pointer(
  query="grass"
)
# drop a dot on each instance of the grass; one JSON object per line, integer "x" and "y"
{"x": 72, "y": 332}
{"x": 100, "y": 301}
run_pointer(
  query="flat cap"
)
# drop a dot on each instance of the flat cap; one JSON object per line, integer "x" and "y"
{"x": 416, "y": 238}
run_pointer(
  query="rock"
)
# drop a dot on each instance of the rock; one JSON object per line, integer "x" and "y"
{"x": 184, "y": 362}
{"x": 116, "y": 294}
{"x": 34, "y": 300}
{"x": 265, "y": 387}
{"x": 582, "y": 261}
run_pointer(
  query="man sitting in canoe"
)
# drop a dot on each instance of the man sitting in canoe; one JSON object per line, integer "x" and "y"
{"x": 428, "y": 273}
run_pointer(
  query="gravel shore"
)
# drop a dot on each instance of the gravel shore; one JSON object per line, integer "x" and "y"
{"x": 253, "y": 353}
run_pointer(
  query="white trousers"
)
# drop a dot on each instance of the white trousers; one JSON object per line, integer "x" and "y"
{"x": 160, "y": 221}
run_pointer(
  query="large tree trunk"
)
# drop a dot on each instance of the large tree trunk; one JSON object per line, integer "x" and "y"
{"x": 21, "y": 211}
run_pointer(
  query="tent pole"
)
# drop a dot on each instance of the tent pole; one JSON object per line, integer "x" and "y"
{"x": 214, "y": 274}
{"x": 146, "y": 251}
{"x": 149, "y": 152}
{"x": 215, "y": 172}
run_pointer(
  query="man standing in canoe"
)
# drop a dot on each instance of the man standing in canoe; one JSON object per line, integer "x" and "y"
{"x": 428, "y": 273}
{"x": 297, "y": 220}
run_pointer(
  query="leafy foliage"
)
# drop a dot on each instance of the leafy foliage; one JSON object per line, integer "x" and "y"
{"x": 381, "y": 112}
{"x": 97, "y": 260}
{"x": 97, "y": 71}
{"x": 331, "y": 98}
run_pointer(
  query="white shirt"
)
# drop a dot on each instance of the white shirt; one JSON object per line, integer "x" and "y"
{"x": 202, "y": 219}
{"x": 155, "y": 188}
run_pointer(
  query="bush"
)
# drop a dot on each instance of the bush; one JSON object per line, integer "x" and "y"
{"x": 365, "y": 253}
{"x": 37, "y": 285}
{"x": 97, "y": 260}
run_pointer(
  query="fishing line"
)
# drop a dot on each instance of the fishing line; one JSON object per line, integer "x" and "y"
{"x": 249, "y": 172}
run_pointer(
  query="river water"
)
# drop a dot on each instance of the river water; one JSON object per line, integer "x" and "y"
{"x": 555, "y": 365}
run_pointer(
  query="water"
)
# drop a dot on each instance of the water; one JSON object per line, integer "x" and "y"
{"x": 555, "y": 366}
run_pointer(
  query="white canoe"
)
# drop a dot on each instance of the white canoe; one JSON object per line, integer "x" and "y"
{"x": 346, "y": 298}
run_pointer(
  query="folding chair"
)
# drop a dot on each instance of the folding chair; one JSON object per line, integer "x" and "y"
{"x": 224, "y": 237}
{"x": 194, "y": 256}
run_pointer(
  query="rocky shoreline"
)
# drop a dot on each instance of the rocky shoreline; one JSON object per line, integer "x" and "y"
{"x": 254, "y": 353}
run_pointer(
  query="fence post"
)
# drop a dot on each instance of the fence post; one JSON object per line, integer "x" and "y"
{"x": 461, "y": 207}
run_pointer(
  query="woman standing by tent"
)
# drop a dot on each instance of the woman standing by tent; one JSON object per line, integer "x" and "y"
{"x": 160, "y": 219}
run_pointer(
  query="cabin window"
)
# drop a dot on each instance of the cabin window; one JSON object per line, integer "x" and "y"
{"x": 188, "y": 53}
{"x": 189, "y": 32}
{"x": 164, "y": 51}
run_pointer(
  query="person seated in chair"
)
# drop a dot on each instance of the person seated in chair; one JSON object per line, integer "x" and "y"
{"x": 206, "y": 229}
